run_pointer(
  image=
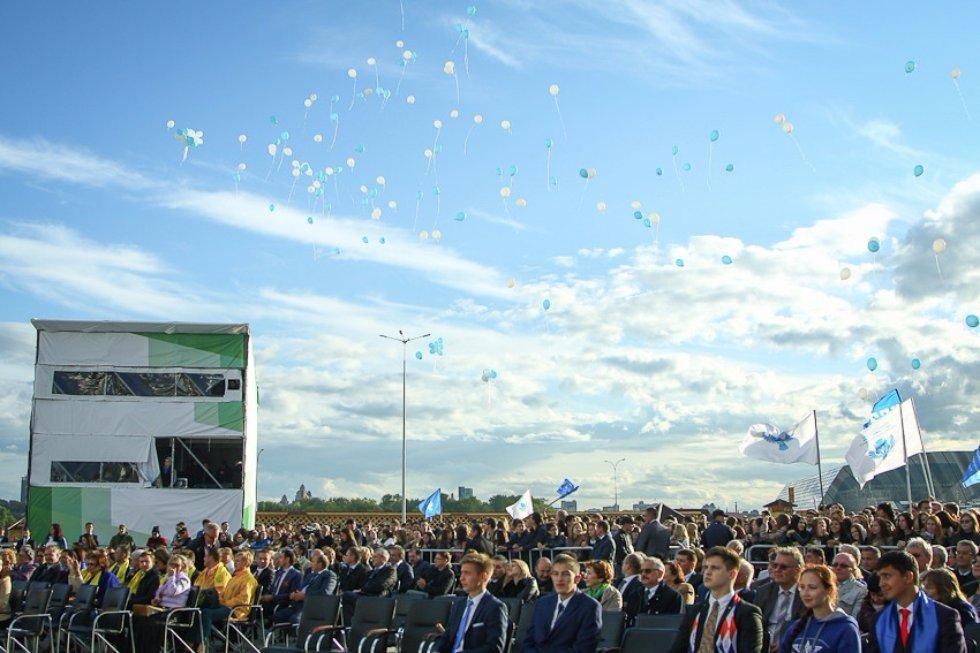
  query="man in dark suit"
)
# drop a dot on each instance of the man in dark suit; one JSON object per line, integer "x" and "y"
{"x": 263, "y": 571}
{"x": 418, "y": 563}
{"x": 687, "y": 560}
{"x": 630, "y": 582}
{"x": 780, "y": 600}
{"x": 604, "y": 547}
{"x": 655, "y": 597}
{"x": 25, "y": 540}
{"x": 320, "y": 582}
{"x": 353, "y": 575}
{"x": 623, "y": 537}
{"x": 722, "y": 612}
{"x": 718, "y": 533}
{"x": 911, "y": 621}
{"x": 285, "y": 581}
{"x": 498, "y": 575}
{"x": 51, "y": 570}
{"x": 478, "y": 621}
{"x": 403, "y": 570}
{"x": 438, "y": 579}
{"x": 654, "y": 538}
{"x": 567, "y": 620}
{"x": 380, "y": 581}
{"x": 145, "y": 581}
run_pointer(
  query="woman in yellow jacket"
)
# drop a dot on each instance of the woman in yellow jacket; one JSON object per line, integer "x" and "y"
{"x": 236, "y": 591}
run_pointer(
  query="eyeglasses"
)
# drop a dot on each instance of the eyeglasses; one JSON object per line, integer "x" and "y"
{"x": 781, "y": 566}
{"x": 647, "y": 571}
{"x": 837, "y": 565}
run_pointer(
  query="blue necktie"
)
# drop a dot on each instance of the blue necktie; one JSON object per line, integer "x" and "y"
{"x": 461, "y": 632}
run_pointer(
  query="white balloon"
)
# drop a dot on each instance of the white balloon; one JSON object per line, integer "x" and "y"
{"x": 287, "y": 151}
{"x": 376, "y": 213}
{"x": 454, "y": 113}
{"x": 380, "y": 180}
{"x": 635, "y": 204}
{"x": 392, "y": 204}
{"x": 351, "y": 162}
{"x": 505, "y": 192}
{"x": 410, "y": 99}
{"x": 317, "y": 138}
{"x": 553, "y": 89}
{"x": 939, "y": 246}
{"x": 307, "y": 103}
{"x": 436, "y": 234}
{"x": 352, "y": 73}
{"x": 170, "y": 124}
{"x": 845, "y": 274}
{"x": 511, "y": 283}
{"x": 505, "y": 124}
{"x": 423, "y": 235}
{"x": 601, "y": 206}
{"x": 372, "y": 61}
{"x": 521, "y": 203}
{"x": 449, "y": 68}
{"x": 241, "y": 167}
{"x": 437, "y": 124}
{"x": 478, "y": 119}
{"x": 242, "y": 138}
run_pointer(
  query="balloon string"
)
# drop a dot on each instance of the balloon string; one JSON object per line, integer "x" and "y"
{"x": 353, "y": 95}
{"x": 962, "y": 99}
{"x": 291, "y": 189}
{"x": 561, "y": 119}
{"x": 582, "y": 197}
{"x": 400, "y": 78}
{"x": 506, "y": 209}
{"x": 271, "y": 167}
{"x": 802, "y": 155}
{"x": 709, "y": 165}
{"x": 939, "y": 269}
{"x": 416, "y": 223}
{"x": 336, "y": 128}
{"x": 547, "y": 180}
{"x": 456, "y": 79}
{"x": 184, "y": 158}
{"x": 466, "y": 57}
{"x": 677, "y": 173}
{"x": 377, "y": 78}
{"x": 467, "y": 139}
{"x": 401, "y": 5}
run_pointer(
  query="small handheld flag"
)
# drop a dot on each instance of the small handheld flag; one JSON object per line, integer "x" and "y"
{"x": 566, "y": 488}
{"x": 432, "y": 505}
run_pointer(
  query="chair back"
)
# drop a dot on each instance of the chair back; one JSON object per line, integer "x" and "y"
{"x": 317, "y": 611}
{"x": 403, "y": 603}
{"x": 370, "y": 612}
{"x": 85, "y": 598}
{"x": 659, "y": 621}
{"x": 972, "y": 636}
{"x": 514, "y": 607}
{"x": 37, "y": 600}
{"x": 116, "y": 599}
{"x": 523, "y": 626}
{"x": 611, "y": 634}
{"x": 423, "y": 616}
{"x": 59, "y": 599}
{"x": 17, "y": 595}
{"x": 647, "y": 640}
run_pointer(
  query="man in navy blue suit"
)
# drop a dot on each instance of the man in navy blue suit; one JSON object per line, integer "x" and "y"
{"x": 604, "y": 547}
{"x": 478, "y": 621}
{"x": 567, "y": 621}
{"x": 285, "y": 581}
{"x": 320, "y": 582}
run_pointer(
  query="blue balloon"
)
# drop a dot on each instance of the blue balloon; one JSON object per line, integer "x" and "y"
{"x": 916, "y": 363}
{"x": 726, "y": 259}
{"x": 972, "y": 321}
{"x": 373, "y": 192}
{"x": 418, "y": 355}
{"x": 548, "y": 143}
{"x": 547, "y": 304}
{"x": 274, "y": 120}
{"x": 309, "y": 220}
{"x": 687, "y": 167}
{"x": 381, "y": 240}
{"x": 679, "y": 262}
{"x": 419, "y": 195}
{"x": 435, "y": 190}
{"x": 714, "y": 135}
{"x": 909, "y": 66}
{"x": 334, "y": 117}
{"x": 237, "y": 177}
{"x": 660, "y": 172}
{"x": 364, "y": 239}
{"x": 460, "y": 216}
{"x": 272, "y": 207}
{"x": 284, "y": 136}
{"x": 674, "y": 150}
{"x": 873, "y": 245}
{"x": 638, "y": 215}
{"x": 493, "y": 374}
{"x": 335, "y": 98}
{"x": 647, "y": 223}
{"x": 513, "y": 170}
{"x": 336, "y": 251}
{"x": 554, "y": 180}
{"x": 729, "y": 167}
{"x": 437, "y": 149}
{"x": 360, "y": 149}
{"x": 471, "y": 10}
{"x": 459, "y": 27}
{"x": 872, "y": 364}
{"x": 500, "y": 171}
{"x": 918, "y": 170}
{"x": 583, "y": 173}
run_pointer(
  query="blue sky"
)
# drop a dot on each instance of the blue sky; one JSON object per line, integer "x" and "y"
{"x": 637, "y": 357}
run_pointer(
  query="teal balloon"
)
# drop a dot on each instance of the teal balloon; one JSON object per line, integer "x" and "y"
{"x": 679, "y": 262}
{"x": 334, "y": 116}
{"x": 660, "y": 172}
{"x": 513, "y": 170}
{"x": 972, "y": 321}
{"x": 336, "y": 251}
{"x": 583, "y": 173}
{"x": 872, "y": 363}
{"x": 360, "y": 149}
{"x": 909, "y": 66}
{"x": 726, "y": 259}
{"x": 274, "y": 120}
{"x": 500, "y": 172}
{"x": 916, "y": 363}
{"x": 418, "y": 355}
{"x": 554, "y": 179}
{"x": 382, "y": 240}
{"x": 674, "y": 150}
{"x": 304, "y": 167}
{"x": 237, "y": 177}
{"x": 638, "y": 215}
{"x": 437, "y": 149}
{"x": 435, "y": 190}
{"x": 729, "y": 167}
{"x": 309, "y": 220}
{"x": 687, "y": 167}
{"x": 493, "y": 374}
{"x": 647, "y": 223}
{"x": 460, "y": 216}
{"x": 419, "y": 195}
{"x": 548, "y": 143}
{"x": 272, "y": 207}
{"x": 918, "y": 170}
{"x": 873, "y": 245}
{"x": 284, "y": 136}
{"x": 335, "y": 98}
{"x": 373, "y": 192}
{"x": 547, "y": 304}
{"x": 364, "y": 240}
{"x": 471, "y": 10}
{"x": 714, "y": 135}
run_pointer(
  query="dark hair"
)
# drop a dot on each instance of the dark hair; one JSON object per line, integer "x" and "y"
{"x": 483, "y": 563}
{"x": 888, "y": 509}
{"x": 288, "y": 553}
{"x": 58, "y": 533}
{"x": 900, "y": 561}
{"x": 729, "y": 558}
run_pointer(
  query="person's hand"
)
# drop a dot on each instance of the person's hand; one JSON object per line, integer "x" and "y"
{"x": 421, "y": 583}
{"x": 265, "y": 598}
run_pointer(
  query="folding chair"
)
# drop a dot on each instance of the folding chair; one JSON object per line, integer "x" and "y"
{"x": 372, "y": 613}
{"x": 26, "y": 629}
{"x": 318, "y": 612}
{"x": 423, "y": 621}
{"x": 113, "y": 621}
{"x": 243, "y": 629}
{"x": 611, "y": 634}
{"x": 77, "y": 613}
{"x": 179, "y": 622}
{"x": 647, "y": 640}
{"x": 520, "y": 633}
{"x": 659, "y": 621}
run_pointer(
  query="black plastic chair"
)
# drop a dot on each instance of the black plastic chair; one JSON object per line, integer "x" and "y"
{"x": 369, "y": 627}
{"x": 179, "y": 624}
{"x": 424, "y": 620}
{"x": 972, "y": 634}
{"x": 319, "y": 612}
{"x": 402, "y": 604}
{"x": 514, "y": 607}
{"x": 523, "y": 627}
{"x": 242, "y": 630}
{"x": 28, "y": 628}
{"x": 647, "y": 640}
{"x": 659, "y": 621}
{"x": 79, "y": 613}
{"x": 611, "y": 634}
{"x": 113, "y": 622}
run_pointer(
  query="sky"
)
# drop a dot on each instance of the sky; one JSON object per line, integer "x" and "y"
{"x": 652, "y": 348}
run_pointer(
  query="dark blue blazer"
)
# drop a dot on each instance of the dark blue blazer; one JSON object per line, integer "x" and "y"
{"x": 289, "y": 585}
{"x": 604, "y": 549}
{"x": 576, "y": 630}
{"x": 323, "y": 583}
{"x": 487, "y": 631}
{"x": 406, "y": 577}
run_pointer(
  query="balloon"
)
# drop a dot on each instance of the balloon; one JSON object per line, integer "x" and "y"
{"x": 170, "y": 124}
{"x": 729, "y": 167}
{"x": 511, "y": 283}
{"x": 287, "y": 151}
{"x": 427, "y": 153}
{"x": 547, "y": 304}
{"x": 478, "y": 119}
{"x": 418, "y": 355}
{"x": 307, "y": 103}
{"x": 317, "y": 138}
{"x": 863, "y": 393}
{"x": 655, "y": 218}
{"x": 399, "y": 44}
{"x": 419, "y": 195}
{"x": 449, "y": 68}
{"x": 637, "y": 215}
{"x": 521, "y": 203}
{"x": 553, "y": 180}
{"x": 601, "y": 206}
{"x": 955, "y": 73}
{"x": 972, "y": 321}
{"x": 380, "y": 180}
{"x": 505, "y": 192}
{"x": 513, "y": 170}
{"x": 436, "y": 234}
{"x": 548, "y": 143}
{"x": 392, "y": 204}
{"x": 505, "y": 124}
{"x": 780, "y": 118}
{"x": 460, "y": 216}
{"x": 309, "y": 220}
{"x": 591, "y": 173}
{"x": 376, "y": 213}
{"x": 583, "y": 173}
{"x": 687, "y": 167}
{"x": 726, "y": 259}
{"x": 241, "y": 167}
{"x": 714, "y": 135}
{"x": 674, "y": 150}
{"x": 679, "y": 262}
{"x": 916, "y": 363}
{"x": 471, "y": 10}
{"x": 407, "y": 55}
{"x": 351, "y": 162}
{"x": 845, "y": 274}
{"x": 272, "y": 207}
{"x": 382, "y": 240}
{"x": 909, "y": 66}
{"x": 635, "y": 204}
{"x": 660, "y": 172}
{"x": 352, "y": 73}
{"x": 939, "y": 246}
{"x": 364, "y": 239}
{"x": 918, "y": 170}
{"x": 872, "y": 364}
{"x": 423, "y": 235}
{"x": 500, "y": 171}
{"x": 874, "y": 245}
{"x": 553, "y": 89}
{"x": 410, "y": 99}
{"x": 788, "y": 127}
{"x": 454, "y": 113}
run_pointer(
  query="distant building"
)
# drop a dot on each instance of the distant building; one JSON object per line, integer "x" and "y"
{"x": 570, "y": 506}
{"x": 613, "y": 508}
{"x": 465, "y": 492}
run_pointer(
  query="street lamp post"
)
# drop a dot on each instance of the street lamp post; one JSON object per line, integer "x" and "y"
{"x": 615, "y": 466}
{"x": 402, "y": 339}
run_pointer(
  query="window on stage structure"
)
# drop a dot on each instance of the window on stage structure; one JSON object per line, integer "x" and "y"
{"x": 143, "y": 384}
{"x": 94, "y": 472}
{"x": 214, "y": 463}
{"x": 200, "y": 385}
{"x": 78, "y": 383}
{"x": 139, "y": 384}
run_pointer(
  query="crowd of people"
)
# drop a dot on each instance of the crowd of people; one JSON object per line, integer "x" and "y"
{"x": 814, "y": 580}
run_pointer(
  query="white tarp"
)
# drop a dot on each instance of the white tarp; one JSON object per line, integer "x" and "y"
{"x": 93, "y": 448}
{"x": 143, "y": 510}
{"x": 164, "y": 418}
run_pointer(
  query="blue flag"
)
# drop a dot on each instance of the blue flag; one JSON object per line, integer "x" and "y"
{"x": 566, "y": 488}
{"x": 884, "y": 406}
{"x": 972, "y": 475}
{"x": 432, "y": 505}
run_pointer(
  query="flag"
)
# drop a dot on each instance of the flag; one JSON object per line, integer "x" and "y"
{"x": 432, "y": 505}
{"x": 878, "y": 448}
{"x": 972, "y": 475}
{"x": 523, "y": 508}
{"x": 566, "y": 488}
{"x": 883, "y": 406}
{"x": 768, "y": 442}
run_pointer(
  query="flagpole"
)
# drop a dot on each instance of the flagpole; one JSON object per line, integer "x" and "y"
{"x": 925, "y": 455}
{"x": 816, "y": 437}
{"x": 905, "y": 454}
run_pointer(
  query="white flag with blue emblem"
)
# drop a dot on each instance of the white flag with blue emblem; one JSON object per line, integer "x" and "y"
{"x": 878, "y": 448}
{"x": 770, "y": 443}
{"x": 523, "y": 508}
